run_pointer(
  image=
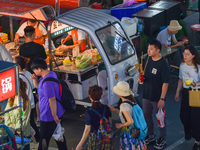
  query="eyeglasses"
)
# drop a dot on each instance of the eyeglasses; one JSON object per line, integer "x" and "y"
{"x": 187, "y": 54}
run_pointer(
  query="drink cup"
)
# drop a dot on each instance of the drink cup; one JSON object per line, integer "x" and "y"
{"x": 141, "y": 78}
{"x": 188, "y": 82}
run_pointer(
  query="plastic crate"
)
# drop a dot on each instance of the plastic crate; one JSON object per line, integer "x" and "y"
{"x": 120, "y": 11}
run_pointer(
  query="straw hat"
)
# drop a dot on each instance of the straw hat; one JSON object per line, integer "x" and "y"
{"x": 174, "y": 25}
{"x": 122, "y": 89}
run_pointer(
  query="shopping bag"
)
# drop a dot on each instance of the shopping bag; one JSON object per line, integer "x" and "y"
{"x": 58, "y": 133}
{"x": 194, "y": 97}
{"x": 161, "y": 118}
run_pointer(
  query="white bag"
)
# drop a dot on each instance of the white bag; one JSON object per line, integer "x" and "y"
{"x": 58, "y": 133}
{"x": 161, "y": 118}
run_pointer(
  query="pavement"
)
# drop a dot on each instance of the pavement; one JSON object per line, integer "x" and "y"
{"x": 74, "y": 124}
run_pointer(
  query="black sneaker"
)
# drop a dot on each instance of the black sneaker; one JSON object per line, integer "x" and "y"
{"x": 160, "y": 143}
{"x": 149, "y": 139}
{"x": 196, "y": 147}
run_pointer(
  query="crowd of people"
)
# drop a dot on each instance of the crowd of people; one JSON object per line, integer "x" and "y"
{"x": 33, "y": 71}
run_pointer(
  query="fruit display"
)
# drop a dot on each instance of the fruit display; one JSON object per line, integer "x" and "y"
{"x": 47, "y": 51}
{"x": 66, "y": 61}
{"x": 4, "y": 37}
{"x": 58, "y": 52}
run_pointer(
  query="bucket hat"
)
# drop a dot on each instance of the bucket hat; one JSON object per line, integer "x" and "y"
{"x": 122, "y": 89}
{"x": 174, "y": 25}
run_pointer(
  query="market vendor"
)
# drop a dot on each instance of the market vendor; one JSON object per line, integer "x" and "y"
{"x": 40, "y": 31}
{"x": 79, "y": 38}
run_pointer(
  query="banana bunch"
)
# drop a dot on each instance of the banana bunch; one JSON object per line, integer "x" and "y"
{"x": 4, "y": 37}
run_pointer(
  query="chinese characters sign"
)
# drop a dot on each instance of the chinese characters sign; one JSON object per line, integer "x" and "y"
{"x": 7, "y": 84}
{"x": 58, "y": 28}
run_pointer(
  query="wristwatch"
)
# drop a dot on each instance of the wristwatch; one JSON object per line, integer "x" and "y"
{"x": 162, "y": 99}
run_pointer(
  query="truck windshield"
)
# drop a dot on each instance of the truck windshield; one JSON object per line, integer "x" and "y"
{"x": 114, "y": 43}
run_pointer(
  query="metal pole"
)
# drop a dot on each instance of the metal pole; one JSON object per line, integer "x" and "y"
{"x": 11, "y": 28}
{"x": 57, "y": 7}
{"x": 19, "y": 100}
{"x": 49, "y": 41}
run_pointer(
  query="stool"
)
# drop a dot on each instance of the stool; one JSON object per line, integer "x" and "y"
{"x": 195, "y": 35}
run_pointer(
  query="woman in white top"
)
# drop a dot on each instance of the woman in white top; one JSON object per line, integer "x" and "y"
{"x": 123, "y": 91}
{"x": 189, "y": 75}
{"x": 25, "y": 75}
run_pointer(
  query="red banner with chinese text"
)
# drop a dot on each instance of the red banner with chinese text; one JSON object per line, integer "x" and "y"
{"x": 7, "y": 84}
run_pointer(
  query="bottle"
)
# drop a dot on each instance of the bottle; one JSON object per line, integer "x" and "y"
{"x": 169, "y": 48}
{"x": 75, "y": 51}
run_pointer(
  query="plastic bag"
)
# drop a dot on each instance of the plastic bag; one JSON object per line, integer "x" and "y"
{"x": 129, "y": 2}
{"x": 58, "y": 133}
{"x": 46, "y": 45}
{"x": 83, "y": 60}
{"x": 161, "y": 118}
{"x": 94, "y": 56}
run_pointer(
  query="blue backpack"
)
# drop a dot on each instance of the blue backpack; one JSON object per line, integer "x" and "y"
{"x": 139, "y": 120}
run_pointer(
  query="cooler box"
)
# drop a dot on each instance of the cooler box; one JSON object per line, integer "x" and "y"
{"x": 130, "y": 26}
{"x": 171, "y": 10}
{"x": 152, "y": 20}
{"x": 79, "y": 88}
{"x": 120, "y": 11}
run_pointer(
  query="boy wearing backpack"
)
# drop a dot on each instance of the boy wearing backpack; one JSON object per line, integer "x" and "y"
{"x": 51, "y": 111}
{"x": 132, "y": 119}
{"x": 155, "y": 86}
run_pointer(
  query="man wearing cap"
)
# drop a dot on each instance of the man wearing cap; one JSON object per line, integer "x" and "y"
{"x": 168, "y": 39}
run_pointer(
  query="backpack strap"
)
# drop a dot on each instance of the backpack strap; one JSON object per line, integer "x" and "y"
{"x": 57, "y": 81}
{"x": 95, "y": 112}
{"x": 132, "y": 104}
{"x": 50, "y": 79}
{"x": 26, "y": 79}
{"x": 104, "y": 111}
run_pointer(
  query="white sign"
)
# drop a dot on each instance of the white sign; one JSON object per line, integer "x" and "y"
{"x": 58, "y": 28}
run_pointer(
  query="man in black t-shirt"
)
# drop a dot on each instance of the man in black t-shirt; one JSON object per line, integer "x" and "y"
{"x": 155, "y": 86}
{"x": 31, "y": 49}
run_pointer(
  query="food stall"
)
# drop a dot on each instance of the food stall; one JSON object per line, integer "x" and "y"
{"x": 13, "y": 8}
{"x": 117, "y": 52}
{"x": 107, "y": 42}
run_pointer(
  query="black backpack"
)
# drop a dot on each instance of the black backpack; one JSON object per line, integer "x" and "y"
{"x": 68, "y": 101}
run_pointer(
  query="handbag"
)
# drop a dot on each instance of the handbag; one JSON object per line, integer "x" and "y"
{"x": 194, "y": 97}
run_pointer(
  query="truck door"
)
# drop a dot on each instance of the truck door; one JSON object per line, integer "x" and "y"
{"x": 120, "y": 54}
